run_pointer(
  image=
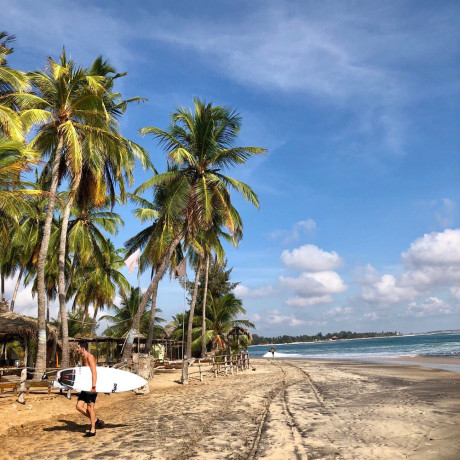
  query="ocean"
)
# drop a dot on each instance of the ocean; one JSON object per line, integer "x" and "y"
{"x": 442, "y": 345}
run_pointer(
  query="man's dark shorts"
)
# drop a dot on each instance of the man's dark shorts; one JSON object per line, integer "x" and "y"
{"x": 87, "y": 397}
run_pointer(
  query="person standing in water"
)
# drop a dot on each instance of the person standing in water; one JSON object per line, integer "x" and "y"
{"x": 89, "y": 397}
{"x": 272, "y": 351}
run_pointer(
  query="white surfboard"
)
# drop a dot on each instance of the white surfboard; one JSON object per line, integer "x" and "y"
{"x": 109, "y": 380}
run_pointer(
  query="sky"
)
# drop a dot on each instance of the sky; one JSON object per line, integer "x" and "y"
{"x": 357, "y": 104}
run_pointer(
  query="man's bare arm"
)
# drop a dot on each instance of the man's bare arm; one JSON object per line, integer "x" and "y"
{"x": 92, "y": 366}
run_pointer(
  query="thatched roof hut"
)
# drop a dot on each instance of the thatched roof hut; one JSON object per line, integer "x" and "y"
{"x": 237, "y": 331}
{"x": 13, "y": 326}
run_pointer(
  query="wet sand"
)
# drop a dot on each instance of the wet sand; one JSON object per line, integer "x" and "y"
{"x": 281, "y": 410}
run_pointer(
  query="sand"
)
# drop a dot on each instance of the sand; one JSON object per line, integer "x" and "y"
{"x": 284, "y": 409}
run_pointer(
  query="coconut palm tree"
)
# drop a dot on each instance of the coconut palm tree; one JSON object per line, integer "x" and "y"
{"x": 74, "y": 117}
{"x": 122, "y": 316}
{"x": 221, "y": 318}
{"x": 153, "y": 241}
{"x": 97, "y": 283}
{"x": 15, "y": 155}
{"x": 199, "y": 144}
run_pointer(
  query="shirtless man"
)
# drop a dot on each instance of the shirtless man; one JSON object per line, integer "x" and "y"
{"x": 85, "y": 397}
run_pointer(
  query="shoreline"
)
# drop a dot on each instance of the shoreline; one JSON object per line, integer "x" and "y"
{"x": 450, "y": 364}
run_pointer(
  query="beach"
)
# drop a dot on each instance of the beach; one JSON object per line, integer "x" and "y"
{"x": 278, "y": 409}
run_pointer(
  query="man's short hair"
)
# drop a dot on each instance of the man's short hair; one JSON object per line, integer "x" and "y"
{"x": 83, "y": 344}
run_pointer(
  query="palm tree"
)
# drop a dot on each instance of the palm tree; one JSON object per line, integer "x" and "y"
{"x": 220, "y": 319}
{"x": 73, "y": 117}
{"x": 97, "y": 283}
{"x": 199, "y": 144}
{"x": 15, "y": 155}
{"x": 123, "y": 316}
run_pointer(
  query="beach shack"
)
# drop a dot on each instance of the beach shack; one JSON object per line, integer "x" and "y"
{"x": 25, "y": 329}
{"x": 111, "y": 347}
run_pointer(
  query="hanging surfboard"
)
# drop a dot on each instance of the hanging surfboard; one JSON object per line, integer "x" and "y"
{"x": 109, "y": 380}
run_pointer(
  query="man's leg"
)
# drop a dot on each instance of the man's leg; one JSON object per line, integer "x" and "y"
{"x": 92, "y": 416}
{"x": 80, "y": 408}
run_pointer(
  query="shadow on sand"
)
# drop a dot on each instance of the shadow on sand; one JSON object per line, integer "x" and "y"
{"x": 78, "y": 427}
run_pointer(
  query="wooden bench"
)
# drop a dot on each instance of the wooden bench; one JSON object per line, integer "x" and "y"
{"x": 38, "y": 384}
{"x": 9, "y": 386}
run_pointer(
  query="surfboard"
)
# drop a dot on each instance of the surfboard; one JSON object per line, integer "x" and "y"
{"x": 109, "y": 380}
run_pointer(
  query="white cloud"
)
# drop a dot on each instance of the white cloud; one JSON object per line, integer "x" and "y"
{"x": 338, "y": 313}
{"x": 275, "y": 317}
{"x": 315, "y": 284}
{"x": 244, "y": 292}
{"x": 299, "y": 301}
{"x": 254, "y": 317}
{"x": 387, "y": 291}
{"x": 26, "y": 303}
{"x": 435, "y": 249}
{"x": 432, "y": 306}
{"x": 372, "y": 316}
{"x": 311, "y": 258}
{"x": 294, "y": 234}
{"x": 455, "y": 292}
{"x": 432, "y": 261}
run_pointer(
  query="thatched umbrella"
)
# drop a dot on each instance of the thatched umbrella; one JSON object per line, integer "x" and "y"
{"x": 14, "y": 326}
{"x": 236, "y": 332}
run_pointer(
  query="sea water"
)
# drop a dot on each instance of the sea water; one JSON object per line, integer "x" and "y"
{"x": 442, "y": 345}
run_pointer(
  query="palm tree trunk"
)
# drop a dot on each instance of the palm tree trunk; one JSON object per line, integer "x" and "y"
{"x": 127, "y": 351}
{"x": 72, "y": 270}
{"x": 2, "y": 282}
{"x": 203, "y": 322}
{"x": 153, "y": 307}
{"x": 47, "y": 308}
{"x": 62, "y": 288}
{"x": 93, "y": 325}
{"x": 40, "y": 363}
{"x": 16, "y": 288}
{"x": 83, "y": 319}
{"x": 188, "y": 348}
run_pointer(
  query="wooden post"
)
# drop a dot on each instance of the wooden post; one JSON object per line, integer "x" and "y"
{"x": 184, "y": 378}
{"x": 22, "y": 386}
{"x": 26, "y": 349}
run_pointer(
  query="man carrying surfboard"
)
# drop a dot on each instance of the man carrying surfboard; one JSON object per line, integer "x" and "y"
{"x": 89, "y": 397}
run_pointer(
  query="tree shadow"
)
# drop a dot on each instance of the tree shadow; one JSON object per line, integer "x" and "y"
{"x": 78, "y": 427}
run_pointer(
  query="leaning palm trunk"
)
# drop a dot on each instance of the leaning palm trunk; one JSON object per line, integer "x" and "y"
{"x": 188, "y": 349}
{"x": 149, "y": 340}
{"x": 40, "y": 364}
{"x": 146, "y": 297}
{"x": 203, "y": 321}
{"x": 62, "y": 288}
{"x": 93, "y": 325}
{"x": 16, "y": 288}
{"x": 2, "y": 282}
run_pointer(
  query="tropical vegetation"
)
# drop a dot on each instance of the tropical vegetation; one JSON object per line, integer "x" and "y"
{"x": 65, "y": 165}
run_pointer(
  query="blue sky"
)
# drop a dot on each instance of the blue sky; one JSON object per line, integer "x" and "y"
{"x": 357, "y": 104}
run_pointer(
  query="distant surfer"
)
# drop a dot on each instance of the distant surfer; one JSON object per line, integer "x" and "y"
{"x": 89, "y": 397}
{"x": 272, "y": 351}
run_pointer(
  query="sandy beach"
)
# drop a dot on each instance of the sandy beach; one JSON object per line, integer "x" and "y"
{"x": 284, "y": 409}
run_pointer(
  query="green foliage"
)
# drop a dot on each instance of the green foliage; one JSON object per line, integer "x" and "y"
{"x": 122, "y": 317}
{"x": 219, "y": 282}
{"x": 260, "y": 340}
